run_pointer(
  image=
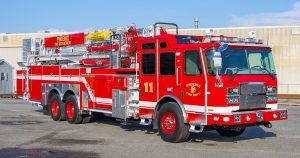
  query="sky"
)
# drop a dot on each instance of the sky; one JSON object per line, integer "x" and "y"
{"x": 24, "y": 16}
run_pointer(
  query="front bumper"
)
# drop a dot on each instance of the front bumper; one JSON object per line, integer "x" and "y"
{"x": 247, "y": 117}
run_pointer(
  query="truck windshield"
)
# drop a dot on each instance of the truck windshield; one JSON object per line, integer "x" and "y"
{"x": 241, "y": 61}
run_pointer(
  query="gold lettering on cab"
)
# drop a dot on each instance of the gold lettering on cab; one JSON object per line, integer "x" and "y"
{"x": 62, "y": 41}
{"x": 193, "y": 89}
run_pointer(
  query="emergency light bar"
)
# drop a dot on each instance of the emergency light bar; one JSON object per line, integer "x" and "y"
{"x": 234, "y": 40}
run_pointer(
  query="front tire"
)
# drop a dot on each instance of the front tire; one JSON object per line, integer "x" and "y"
{"x": 231, "y": 132}
{"x": 72, "y": 110}
{"x": 171, "y": 124}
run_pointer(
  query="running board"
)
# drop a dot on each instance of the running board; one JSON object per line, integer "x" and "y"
{"x": 146, "y": 120}
{"x": 34, "y": 103}
{"x": 196, "y": 128}
{"x": 100, "y": 111}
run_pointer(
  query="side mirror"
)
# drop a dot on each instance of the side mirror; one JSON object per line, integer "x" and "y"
{"x": 217, "y": 60}
{"x": 217, "y": 65}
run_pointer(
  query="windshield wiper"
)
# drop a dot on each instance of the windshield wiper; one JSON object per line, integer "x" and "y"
{"x": 234, "y": 75}
{"x": 264, "y": 68}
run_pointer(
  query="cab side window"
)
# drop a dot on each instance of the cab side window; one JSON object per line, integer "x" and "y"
{"x": 148, "y": 64}
{"x": 192, "y": 65}
{"x": 167, "y": 63}
{"x": 208, "y": 57}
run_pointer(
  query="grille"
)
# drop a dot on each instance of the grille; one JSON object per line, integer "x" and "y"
{"x": 252, "y": 95}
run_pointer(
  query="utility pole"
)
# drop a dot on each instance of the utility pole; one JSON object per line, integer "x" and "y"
{"x": 196, "y": 21}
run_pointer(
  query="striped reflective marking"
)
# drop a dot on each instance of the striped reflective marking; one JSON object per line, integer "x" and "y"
{"x": 218, "y": 109}
{"x": 52, "y": 78}
{"x": 20, "y": 77}
{"x": 195, "y": 108}
{"x": 210, "y": 109}
{"x": 147, "y": 104}
{"x": 103, "y": 100}
{"x": 35, "y": 77}
{"x": 74, "y": 79}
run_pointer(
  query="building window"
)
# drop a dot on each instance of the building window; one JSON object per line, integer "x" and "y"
{"x": 6, "y": 76}
{"x": 5, "y": 38}
{"x": 167, "y": 64}
{"x": 148, "y": 64}
{"x": 2, "y": 76}
{"x": 192, "y": 63}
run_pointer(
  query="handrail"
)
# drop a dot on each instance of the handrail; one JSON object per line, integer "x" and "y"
{"x": 119, "y": 51}
{"x": 165, "y": 23}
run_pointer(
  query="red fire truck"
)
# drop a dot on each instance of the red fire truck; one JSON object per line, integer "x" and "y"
{"x": 177, "y": 83}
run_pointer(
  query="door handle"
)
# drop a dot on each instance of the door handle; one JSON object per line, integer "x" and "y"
{"x": 177, "y": 76}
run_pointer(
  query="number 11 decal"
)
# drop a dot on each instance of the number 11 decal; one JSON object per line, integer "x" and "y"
{"x": 148, "y": 87}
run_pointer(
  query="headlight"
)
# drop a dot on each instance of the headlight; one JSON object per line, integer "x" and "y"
{"x": 272, "y": 89}
{"x": 232, "y": 100}
{"x": 271, "y": 98}
{"x": 272, "y": 94}
{"x": 232, "y": 95}
{"x": 232, "y": 91}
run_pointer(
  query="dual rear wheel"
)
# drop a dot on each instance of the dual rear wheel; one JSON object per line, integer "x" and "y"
{"x": 69, "y": 110}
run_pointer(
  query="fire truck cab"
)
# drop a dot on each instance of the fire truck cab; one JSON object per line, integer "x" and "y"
{"x": 178, "y": 83}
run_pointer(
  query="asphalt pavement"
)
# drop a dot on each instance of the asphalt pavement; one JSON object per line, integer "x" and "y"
{"x": 25, "y": 132}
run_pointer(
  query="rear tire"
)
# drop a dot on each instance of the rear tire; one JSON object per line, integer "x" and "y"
{"x": 171, "y": 123}
{"x": 87, "y": 119}
{"x": 72, "y": 111}
{"x": 229, "y": 132}
{"x": 56, "y": 108}
{"x": 45, "y": 110}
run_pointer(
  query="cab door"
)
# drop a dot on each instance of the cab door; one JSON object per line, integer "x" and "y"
{"x": 148, "y": 75}
{"x": 193, "y": 82}
{"x": 168, "y": 70}
{"x": 167, "y": 74}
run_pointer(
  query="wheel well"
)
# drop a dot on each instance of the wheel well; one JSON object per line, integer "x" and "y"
{"x": 166, "y": 100}
{"x": 52, "y": 93}
{"x": 67, "y": 93}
